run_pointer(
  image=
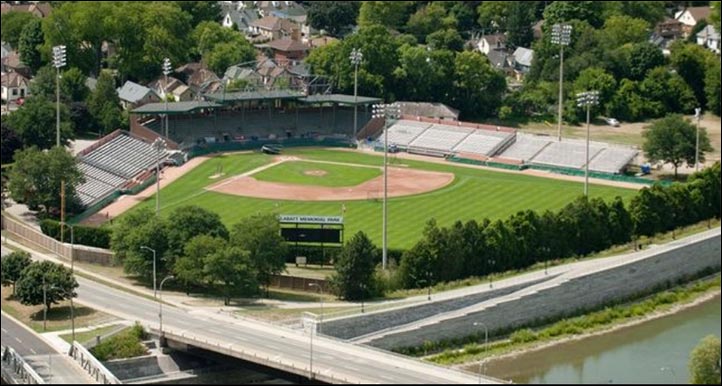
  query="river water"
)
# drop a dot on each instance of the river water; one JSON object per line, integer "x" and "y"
{"x": 653, "y": 352}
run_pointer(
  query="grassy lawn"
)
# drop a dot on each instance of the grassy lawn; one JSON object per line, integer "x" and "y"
{"x": 84, "y": 337}
{"x": 307, "y": 173}
{"x": 273, "y": 314}
{"x": 474, "y": 194}
{"x": 58, "y": 316}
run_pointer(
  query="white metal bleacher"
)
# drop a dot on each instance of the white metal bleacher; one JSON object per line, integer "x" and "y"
{"x": 484, "y": 142}
{"x": 612, "y": 159}
{"x": 526, "y": 147}
{"x": 568, "y": 153}
{"x": 404, "y": 132}
{"x": 441, "y": 137}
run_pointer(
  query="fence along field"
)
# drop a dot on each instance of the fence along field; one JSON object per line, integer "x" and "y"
{"x": 474, "y": 194}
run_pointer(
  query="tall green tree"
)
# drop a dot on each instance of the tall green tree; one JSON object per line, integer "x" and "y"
{"x": 189, "y": 267}
{"x": 492, "y": 15}
{"x": 72, "y": 86}
{"x": 43, "y": 84}
{"x": 564, "y": 11}
{"x": 445, "y": 39}
{"x": 428, "y": 19}
{"x": 45, "y": 283}
{"x": 141, "y": 228}
{"x": 332, "y": 16}
{"x": 519, "y": 24}
{"x": 35, "y": 123}
{"x": 104, "y": 104}
{"x": 714, "y": 17}
{"x": 36, "y": 177}
{"x": 13, "y": 266}
{"x": 233, "y": 270}
{"x": 260, "y": 235}
{"x": 392, "y": 14}
{"x": 478, "y": 86}
{"x": 221, "y": 47}
{"x": 620, "y": 30}
{"x": 9, "y": 143}
{"x": 666, "y": 93}
{"x": 672, "y": 140}
{"x": 712, "y": 86}
{"x": 31, "y": 39}
{"x": 642, "y": 58}
{"x": 13, "y": 24}
{"x": 354, "y": 275}
{"x": 704, "y": 362}
{"x": 201, "y": 11}
{"x": 191, "y": 221}
{"x": 690, "y": 61}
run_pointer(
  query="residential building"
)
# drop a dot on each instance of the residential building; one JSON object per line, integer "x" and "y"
{"x": 133, "y": 95}
{"x": 40, "y": 10}
{"x": 689, "y": 17}
{"x": 272, "y": 28}
{"x": 14, "y": 86}
{"x": 521, "y": 61}
{"x": 288, "y": 51}
{"x": 491, "y": 42}
{"x": 174, "y": 89}
{"x": 709, "y": 38}
{"x": 240, "y": 14}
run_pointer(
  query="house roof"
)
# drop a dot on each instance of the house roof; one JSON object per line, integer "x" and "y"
{"x": 133, "y": 92}
{"x": 428, "y": 109}
{"x": 523, "y": 56}
{"x": 42, "y": 9}
{"x": 174, "y": 108}
{"x": 238, "y": 72}
{"x": 698, "y": 13}
{"x": 288, "y": 45}
{"x": 13, "y": 79}
{"x": 160, "y": 85}
{"x": 322, "y": 41}
{"x": 496, "y": 39}
{"x": 12, "y": 60}
{"x": 708, "y": 33}
{"x": 272, "y": 23}
{"x": 243, "y": 18}
{"x": 497, "y": 58}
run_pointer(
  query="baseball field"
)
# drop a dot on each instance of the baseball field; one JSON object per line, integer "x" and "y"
{"x": 335, "y": 182}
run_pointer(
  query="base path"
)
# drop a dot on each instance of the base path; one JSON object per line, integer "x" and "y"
{"x": 401, "y": 182}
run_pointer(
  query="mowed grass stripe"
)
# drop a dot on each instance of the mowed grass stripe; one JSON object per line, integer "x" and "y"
{"x": 474, "y": 194}
{"x": 297, "y": 172}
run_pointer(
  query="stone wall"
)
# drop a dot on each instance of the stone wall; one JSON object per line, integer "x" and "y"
{"x": 675, "y": 261}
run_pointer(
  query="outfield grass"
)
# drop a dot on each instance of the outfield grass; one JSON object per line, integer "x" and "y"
{"x": 297, "y": 172}
{"x": 474, "y": 194}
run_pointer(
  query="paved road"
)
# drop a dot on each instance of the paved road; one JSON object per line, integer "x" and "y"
{"x": 51, "y": 365}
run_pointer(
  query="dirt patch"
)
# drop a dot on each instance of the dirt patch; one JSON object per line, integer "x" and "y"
{"x": 217, "y": 176}
{"x": 315, "y": 173}
{"x": 401, "y": 182}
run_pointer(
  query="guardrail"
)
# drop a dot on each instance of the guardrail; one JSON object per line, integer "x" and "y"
{"x": 93, "y": 366}
{"x": 21, "y": 368}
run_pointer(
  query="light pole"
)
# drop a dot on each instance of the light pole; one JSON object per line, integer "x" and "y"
{"x": 388, "y": 112}
{"x": 698, "y": 115}
{"x": 363, "y": 295}
{"x": 154, "y": 263}
{"x": 166, "y": 71}
{"x": 310, "y": 356}
{"x": 490, "y": 264}
{"x": 320, "y": 299}
{"x": 356, "y": 58}
{"x": 486, "y": 344}
{"x": 59, "y": 60}
{"x": 160, "y": 312}
{"x": 159, "y": 146}
{"x": 587, "y": 99}
{"x": 45, "y": 306}
{"x": 561, "y": 35}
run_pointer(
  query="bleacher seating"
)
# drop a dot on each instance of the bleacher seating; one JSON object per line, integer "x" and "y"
{"x": 568, "y": 153}
{"x": 526, "y": 147}
{"x": 483, "y": 142}
{"x": 441, "y": 137}
{"x": 612, "y": 160}
{"x": 403, "y": 133}
{"x": 112, "y": 165}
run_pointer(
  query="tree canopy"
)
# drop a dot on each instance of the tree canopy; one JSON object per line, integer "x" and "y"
{"x": 673, "y": 139}
{"x": 45, "y": 281}
{"x": 704, "y": 362}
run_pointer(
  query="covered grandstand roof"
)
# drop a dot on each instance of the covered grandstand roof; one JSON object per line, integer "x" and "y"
{"x": 174, "y": 107}
{"x": 340, "y": 98}
{"x": 254, "y": 95}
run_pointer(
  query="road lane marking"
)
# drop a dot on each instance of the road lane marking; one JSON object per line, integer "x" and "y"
{"x": 33, "y": 351}
{"x": 19, "y": 341}
{"x": 4, "y": 331}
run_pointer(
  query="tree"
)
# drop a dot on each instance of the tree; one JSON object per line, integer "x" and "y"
{"x": 13, "y": 266}
{"x": 714, "y": 17}
{"x": 332, "y": 16}
{"x": 651, "y": 11}
{"x": 445, "y": 39}
{"x": 233, "y": 269}
{"x": 43, "y": 84}
{"x": 429, "y": 19}
{"x": 628, "y": 103}
{"x": 9, "y": 143}
{"x": 31, "y": 38}
{"x": 13, "y": 24}
{"x": 642, "y": 58}
{"x": 104, "y": 104}
{"x": 35, "y": 124}
{"x": 72, "y": 86}
{"x": 519, "y": 24}
{"x": 201, "y": 11}
{"x": 492, "y": 15}
{"x": 224, "y": 55}
{"x": 354, "y": 277}
{"x": 620, "y": 30}
{"x": 564, "y": 11}
{"x": 191, "y": 221}
{"x": 36, "y": 177}
{"x": 704, "y": 362}
{"x": 260, "y": 235}
{"x": 221, "y": 47}
{"x": 712, "y": 86}
{"x": 392, "y": 14}
{"x": 189, "y": 267}
{"x": 463, "y": 12}
{"x": 424, "y": 75}
{"x": 83, "y": 121}
{"x": 595, "y": 78}
{"x": 45, "y": 278}
{"x": 690, "y": 61}
{"x": 667, "y": 93}
{"x": 672, "y": 140}
{"x": 141, "y": 228}
{"x": 478, "y": 86}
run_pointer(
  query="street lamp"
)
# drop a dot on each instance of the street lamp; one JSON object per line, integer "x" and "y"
{"x": 320, "y": 298}
{"x": 160, "y": 312}
{"x": 154, "y": 274}
{"x": 59, "y": 60}
{"x": 159, "y": 146}
{"x": 388, "y": 112}
{"x": 166, "y": 71}
{"x": 698, "y": 115}
{"x": 490, "y": 264}
{"x": 587, "y": 99}
{"x": 45, "y": 306}
{"x": 486, "y": 344}
{"x": 561, "y": 35}
{"x": 363, "y": 295}
{"x": 356, "y": 58}
{"x": 310, "y": 356}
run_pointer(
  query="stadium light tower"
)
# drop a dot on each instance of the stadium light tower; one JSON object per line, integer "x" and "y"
{"x": 166, "y": 71}
{"x": 159, "y": 146}
{"x": 388, "y": 112}
{"x": 698, "y": 115}
{"x": 587, "y": 99}
{"x": 356, "y": 58}
{"x": 561, "y": 35}
{"x": 59, "y": 60}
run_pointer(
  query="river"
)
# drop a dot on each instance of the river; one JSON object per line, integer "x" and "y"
{"x": 656, "y": 352}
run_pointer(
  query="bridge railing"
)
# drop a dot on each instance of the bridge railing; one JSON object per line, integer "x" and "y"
{"x": 93, "y": 366}
{"x": 21, "y": 368}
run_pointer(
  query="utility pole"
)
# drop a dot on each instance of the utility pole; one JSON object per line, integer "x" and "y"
{"x": 356, "y": 58}
{"x": 698, "y": 115}
{"x": 561, "y": 35}
{"x": 587, "y": 99}
{"x": 59, "y": 60}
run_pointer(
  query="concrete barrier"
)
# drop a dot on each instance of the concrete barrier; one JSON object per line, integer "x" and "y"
{"x": 15, "y": 368}
{"x": 93, "y": 366}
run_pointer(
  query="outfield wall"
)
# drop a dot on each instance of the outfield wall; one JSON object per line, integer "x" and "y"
{"x": 651, "y": 269}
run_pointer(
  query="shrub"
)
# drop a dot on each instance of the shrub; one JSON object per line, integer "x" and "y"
{"x": 523, "y": 336}
{"x": 90, "y": 236}
{"x": 126, "y": 344}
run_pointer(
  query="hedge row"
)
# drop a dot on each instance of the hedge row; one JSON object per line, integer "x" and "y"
{"x": 90, "y": 236}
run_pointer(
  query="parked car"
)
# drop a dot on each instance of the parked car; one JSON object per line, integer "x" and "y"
{"x": 612, "y": 122}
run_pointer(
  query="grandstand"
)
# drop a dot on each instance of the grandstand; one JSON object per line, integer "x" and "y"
{"x": 568, "y": 154}
{"x": 113, "y": 163}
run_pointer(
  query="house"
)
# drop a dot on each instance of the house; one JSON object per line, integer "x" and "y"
{"x": 133, "y": 95}
{"x": 272, "y": 28}
{"x": 5, "y": 50}
{"x": 14, "y": 86}
{"x": 491, "y": 42}
{"x": 12, "y": 63}
{"x": 40, "y": 10}
{"x": 246, "y": 76}
{"x": 689, "y": 17}
{"x": 499, "y": 59}
{"x": 175, "y": 89}
{"x": 266, "y": 7}
{"x": 240, "y": 14}
{"x": 521, "y": 61}
{"x": 669, "y": 29}
{"x": 429, "y": 110}
{"x": 199, "y": 79}
{"x": 709, "y": 37}
{"x": 288, "y": 51}
{"x": 537, "y": 30}
{"x": 321, "y": 41}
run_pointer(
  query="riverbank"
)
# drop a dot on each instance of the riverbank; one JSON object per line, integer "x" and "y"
{"x": 596, "y": 323}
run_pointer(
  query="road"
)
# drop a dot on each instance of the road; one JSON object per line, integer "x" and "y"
{"x": 344, "y": 360}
